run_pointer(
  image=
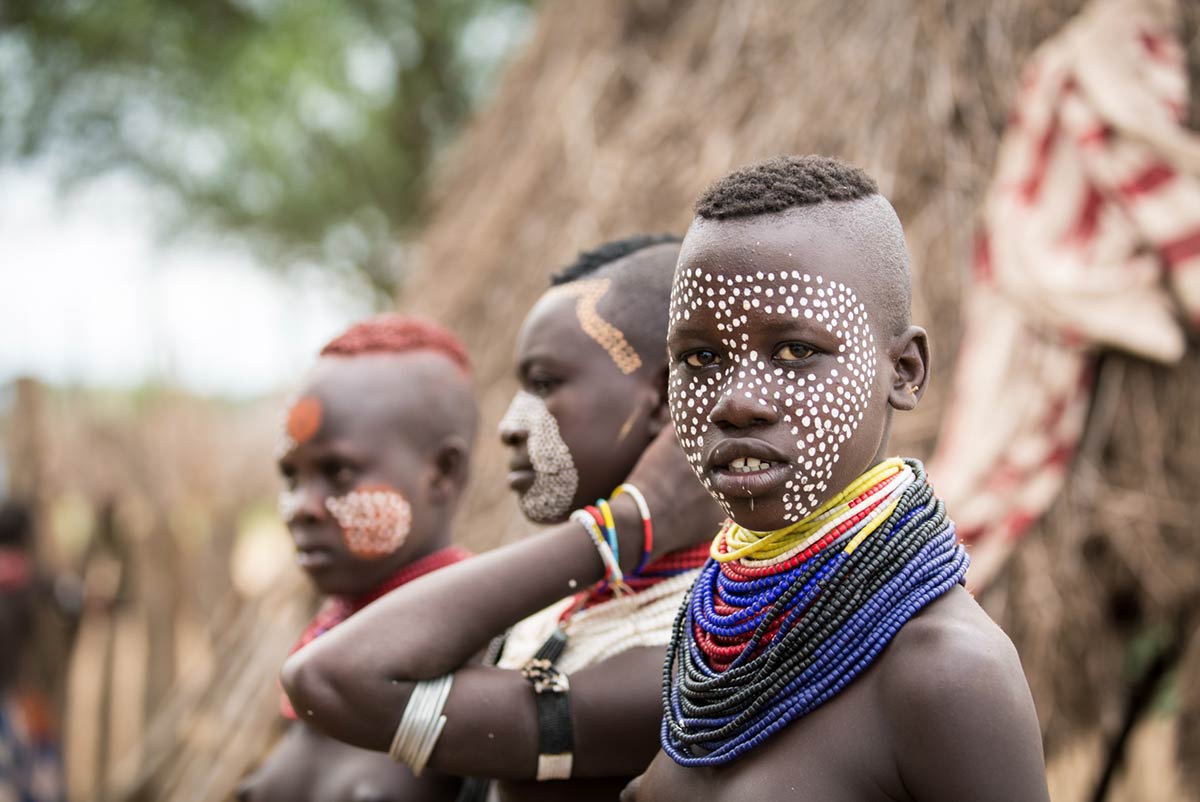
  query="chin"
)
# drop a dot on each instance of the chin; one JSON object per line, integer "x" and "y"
{"x": 767, "y": 515}
{"x": 332, "y": 583}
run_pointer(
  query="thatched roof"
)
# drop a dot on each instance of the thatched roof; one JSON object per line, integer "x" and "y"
{"x": 619, "y": 113}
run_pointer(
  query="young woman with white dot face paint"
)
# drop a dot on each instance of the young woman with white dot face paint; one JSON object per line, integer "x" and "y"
{"x": 823, "y": 651}
{"x": 775, "y": 364}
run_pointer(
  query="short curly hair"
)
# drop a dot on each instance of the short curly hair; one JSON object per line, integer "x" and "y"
{"x": 398, "y": 334}
{"x": 782, "y": 183}
{"x": 588, "y": 262}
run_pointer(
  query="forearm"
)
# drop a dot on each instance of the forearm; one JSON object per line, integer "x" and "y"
{"x": 356, "y": 678}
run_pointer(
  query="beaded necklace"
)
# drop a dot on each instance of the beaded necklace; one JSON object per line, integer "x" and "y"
{"x": 780, "y": 622}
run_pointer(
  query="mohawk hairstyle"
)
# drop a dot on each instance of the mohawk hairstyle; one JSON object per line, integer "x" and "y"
{"x": 398, "y": 334}
{"x": 588, "y": 262}
{"x": 782, "y": 183}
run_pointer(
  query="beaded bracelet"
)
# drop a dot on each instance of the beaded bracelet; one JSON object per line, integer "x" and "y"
{"x": 612, "y": 569}
{"x": 647, "y": 525}
{"x": 610, "y": 527}
{"x": 421, "y": 724}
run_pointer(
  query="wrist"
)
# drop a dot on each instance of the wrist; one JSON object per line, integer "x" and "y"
{"x": 630, "y": 531}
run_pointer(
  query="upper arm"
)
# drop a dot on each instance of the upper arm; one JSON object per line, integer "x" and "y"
{"x": 616, "y": 706}
{"x": 964, "y": 723}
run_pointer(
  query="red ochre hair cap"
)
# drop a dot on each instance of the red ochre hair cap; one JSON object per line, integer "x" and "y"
{"x": 398, "y": 334}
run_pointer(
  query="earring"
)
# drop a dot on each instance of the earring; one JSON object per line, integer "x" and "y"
{"x": 913, "y": 390}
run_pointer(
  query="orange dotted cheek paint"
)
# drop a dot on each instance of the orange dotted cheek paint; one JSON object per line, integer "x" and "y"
{"x": 375, "y": 521}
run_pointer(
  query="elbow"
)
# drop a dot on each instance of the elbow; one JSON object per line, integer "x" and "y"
{"x": 307, "y": 685}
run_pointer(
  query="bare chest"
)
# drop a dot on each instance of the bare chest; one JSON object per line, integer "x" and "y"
{"x": 562, "y": 791}
{"x": 840, "y": 752}
{"x": 308, "y": 767}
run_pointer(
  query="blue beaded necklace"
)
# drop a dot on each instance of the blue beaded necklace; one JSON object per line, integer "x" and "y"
{"x": 751, "y": 654}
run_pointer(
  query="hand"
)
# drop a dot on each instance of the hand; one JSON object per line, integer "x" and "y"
{"x": 684, "y": 513}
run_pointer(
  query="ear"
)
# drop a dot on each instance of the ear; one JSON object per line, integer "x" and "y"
{"x": 449, "y": 471}
{"x": 910, "y": 368}
{"x": 660, "y": 414}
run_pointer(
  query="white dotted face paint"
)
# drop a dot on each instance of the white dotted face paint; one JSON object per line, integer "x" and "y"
{"x": 550, "y": 496}
{"x": 375, "y": 521}
{"x": 820, "y": 408}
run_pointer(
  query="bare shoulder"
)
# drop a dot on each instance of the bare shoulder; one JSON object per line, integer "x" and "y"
{"x": 951, "y": 653}
{"x": 959, "y": 712}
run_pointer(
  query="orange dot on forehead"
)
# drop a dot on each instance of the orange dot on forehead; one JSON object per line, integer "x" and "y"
{"x": 304, "y": 419}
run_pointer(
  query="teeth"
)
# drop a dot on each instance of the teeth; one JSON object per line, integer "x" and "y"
{"x": 748, "y": 464}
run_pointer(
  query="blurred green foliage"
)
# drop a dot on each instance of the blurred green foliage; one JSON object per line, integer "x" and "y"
{"x": 306, "y": 126}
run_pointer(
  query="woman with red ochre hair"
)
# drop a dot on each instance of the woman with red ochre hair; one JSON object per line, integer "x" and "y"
{"x": 374, "y": 453}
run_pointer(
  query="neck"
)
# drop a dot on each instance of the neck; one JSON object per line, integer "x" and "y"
{"x": 850, "y": 516}
{"x": 434, "y": 555}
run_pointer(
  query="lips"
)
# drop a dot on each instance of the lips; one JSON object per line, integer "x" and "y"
{"x": 314, "y": 558}
{"x": 521, "y": 474}
{"x": 746, "y": 467}
{"x": 521, "y": 479}
{"x": 314, "y": 551}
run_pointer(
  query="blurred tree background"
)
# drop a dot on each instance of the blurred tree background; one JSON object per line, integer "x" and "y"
{"x": 308, "y": 128}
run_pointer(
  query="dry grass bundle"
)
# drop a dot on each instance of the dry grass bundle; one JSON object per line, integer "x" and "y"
{"x": 1104, "y": 597}
{"x": 203, "y": 740}
{"x": 619, "y": 113}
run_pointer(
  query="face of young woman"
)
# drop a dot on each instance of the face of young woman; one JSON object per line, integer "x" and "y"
{"x": 579, "y": 422}
{"x": 778, "y": 386}
{"x": 355, "y": 499}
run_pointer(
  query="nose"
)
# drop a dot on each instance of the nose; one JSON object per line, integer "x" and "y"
{"x": 512, "y": 435}
{"x": 303, "y": 504}
{"x": 514, "y": 431}
{"x": 739, "y": 408}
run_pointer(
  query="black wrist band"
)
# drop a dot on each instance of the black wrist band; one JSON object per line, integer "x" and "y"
{"x": 556, "y": 739}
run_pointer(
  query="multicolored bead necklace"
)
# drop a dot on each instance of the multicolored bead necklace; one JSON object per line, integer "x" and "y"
{"x": 780, "y": 622}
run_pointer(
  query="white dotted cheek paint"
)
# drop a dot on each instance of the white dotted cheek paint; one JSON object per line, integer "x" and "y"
{"x": 556, "y": 479}
{"x": 691, "y": 396}
{"x": 375, "y": 521}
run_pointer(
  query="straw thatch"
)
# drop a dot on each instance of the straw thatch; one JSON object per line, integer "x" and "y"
{"x": 619, "y": 113}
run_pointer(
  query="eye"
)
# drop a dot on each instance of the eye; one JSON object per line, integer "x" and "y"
{"x": 288, "y": 472}
{"x": 793, "y": 352}
{"x": 339, "y": 473}
{"x": 700, "y": 358}
{"x": 542, "y": 385}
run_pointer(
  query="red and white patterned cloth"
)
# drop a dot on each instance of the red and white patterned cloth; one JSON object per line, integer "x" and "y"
{"x": 1090, "y": 240}
{"x": 337, "y": 609}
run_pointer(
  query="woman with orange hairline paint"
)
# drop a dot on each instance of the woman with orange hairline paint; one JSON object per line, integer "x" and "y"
{"x": 374, "y": 452}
